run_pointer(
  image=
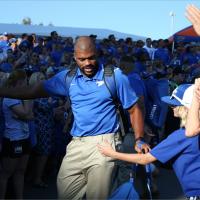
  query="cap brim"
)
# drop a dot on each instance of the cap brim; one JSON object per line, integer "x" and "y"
{"x": 171, "y": 101}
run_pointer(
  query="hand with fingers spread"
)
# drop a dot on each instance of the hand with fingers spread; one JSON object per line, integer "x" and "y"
{"x": 106, "y": 149}
{"x": 193, "y": 15}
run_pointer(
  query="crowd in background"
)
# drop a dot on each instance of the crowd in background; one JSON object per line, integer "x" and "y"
{"x": 42, "y": 57}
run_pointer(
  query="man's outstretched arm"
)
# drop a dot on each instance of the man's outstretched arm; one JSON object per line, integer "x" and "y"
{"x": 26, "y": 92}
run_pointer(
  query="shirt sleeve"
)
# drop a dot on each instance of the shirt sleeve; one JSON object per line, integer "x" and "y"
{"x": 174, "y": 144}
{"x": 125, "y": 92}
{"x": 12, "y": 102}
{"x": 56, "y": 86}
{"x": 138, "y": 86}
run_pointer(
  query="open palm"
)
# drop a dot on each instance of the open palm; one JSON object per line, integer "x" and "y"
{"x": 193, "y": 15}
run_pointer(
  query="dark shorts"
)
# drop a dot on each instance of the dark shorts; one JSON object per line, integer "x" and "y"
{"x": 15, "y": 149}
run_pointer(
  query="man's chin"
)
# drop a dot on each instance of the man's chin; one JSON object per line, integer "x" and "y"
{"x": 89, "y": 74}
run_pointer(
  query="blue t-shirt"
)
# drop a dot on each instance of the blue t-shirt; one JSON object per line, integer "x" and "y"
{"x": 162, "y": 54}
{"x": 6, "y": 67}
{"x": 92, "y": 104}
{"x": 192, "y": 58}
{"x": 185, "y": 156}
{"x": 15, "y": 129}
{"x": 139, "y": 67}
{"x": 137, "y": 83}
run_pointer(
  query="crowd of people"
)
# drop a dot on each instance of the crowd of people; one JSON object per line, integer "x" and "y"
{"x": 37, "y": 103}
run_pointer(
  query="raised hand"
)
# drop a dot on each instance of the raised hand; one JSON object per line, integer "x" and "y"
{"x": 193, "y": 15}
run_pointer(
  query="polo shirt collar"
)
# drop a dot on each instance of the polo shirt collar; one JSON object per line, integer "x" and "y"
{"x": 97, "y": 76}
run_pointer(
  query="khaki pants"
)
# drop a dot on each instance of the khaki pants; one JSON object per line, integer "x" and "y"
{"x": 84, "y": 171}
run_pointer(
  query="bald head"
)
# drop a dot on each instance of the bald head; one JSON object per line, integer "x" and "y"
{"x": 85, "y": 55}
{"x": 84, "y": 43}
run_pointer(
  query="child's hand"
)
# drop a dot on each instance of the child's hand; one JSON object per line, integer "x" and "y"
{"x": 106, "y": 149}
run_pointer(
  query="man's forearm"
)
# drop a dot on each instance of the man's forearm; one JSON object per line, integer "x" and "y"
{"x": 17, "y": 93}
{"x": 27, "y": 92}
{"x": 137, "y": 121}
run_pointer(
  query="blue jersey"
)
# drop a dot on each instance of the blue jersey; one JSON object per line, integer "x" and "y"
{"x": 185, "y": 156}
{"x": 92, "y": 104}
{"x": 137, "y": 83}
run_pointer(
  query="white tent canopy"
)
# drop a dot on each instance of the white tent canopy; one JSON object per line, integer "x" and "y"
{"x": 63, "y": 31}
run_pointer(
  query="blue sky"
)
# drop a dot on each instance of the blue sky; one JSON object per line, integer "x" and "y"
{"x": 139, "y": 17}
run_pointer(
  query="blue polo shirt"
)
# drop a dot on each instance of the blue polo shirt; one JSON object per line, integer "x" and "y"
{"x": 92, "y": 104}
{"x": 185, "y": 156}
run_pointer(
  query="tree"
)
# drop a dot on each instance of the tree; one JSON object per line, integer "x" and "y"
{"x": 50, "y": 24}
{"x": 27, "y": 21}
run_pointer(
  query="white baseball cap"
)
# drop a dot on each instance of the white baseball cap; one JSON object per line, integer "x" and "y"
{"x": 181, "y": 96}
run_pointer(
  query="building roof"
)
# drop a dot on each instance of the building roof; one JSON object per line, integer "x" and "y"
{"x": 63, "y": 31}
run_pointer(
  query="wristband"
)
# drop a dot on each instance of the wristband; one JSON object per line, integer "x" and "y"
{"x": 139, "y": 139}
{"x": 139, "y": 143}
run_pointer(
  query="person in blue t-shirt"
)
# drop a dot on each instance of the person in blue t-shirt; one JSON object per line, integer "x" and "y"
{"x": 15, "y": 141}
{"x": 183, "y": 152}
{"x": 84, "y": 171}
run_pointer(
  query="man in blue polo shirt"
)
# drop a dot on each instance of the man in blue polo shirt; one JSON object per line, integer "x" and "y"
{"x": 84, "y": 170}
